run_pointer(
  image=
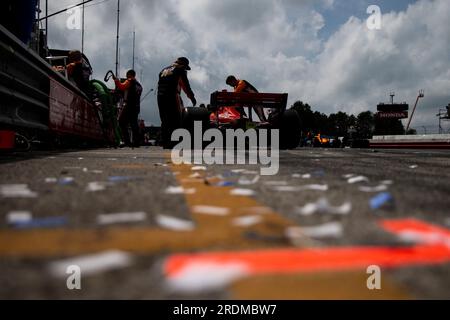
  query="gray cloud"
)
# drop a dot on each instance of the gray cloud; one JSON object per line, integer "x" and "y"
{"x": 275, "y": 44}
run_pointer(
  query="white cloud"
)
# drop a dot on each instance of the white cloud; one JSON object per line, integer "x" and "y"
{"x": 275, "y": 44}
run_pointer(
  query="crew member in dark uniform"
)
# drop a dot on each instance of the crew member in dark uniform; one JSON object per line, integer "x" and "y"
{"x": 245, "y": 86}
{"x": 172, "y": 80}
{"x": 132, "y": 107}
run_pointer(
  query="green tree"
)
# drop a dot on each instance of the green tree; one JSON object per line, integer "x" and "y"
{"x": 365, "y": 124}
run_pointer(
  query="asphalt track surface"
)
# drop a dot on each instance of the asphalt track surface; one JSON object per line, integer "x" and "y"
{"x": 148, "y": 258}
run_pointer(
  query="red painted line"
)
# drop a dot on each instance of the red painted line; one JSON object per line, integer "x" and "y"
{"x": 413, "y": 225}
{"x": 286, "y": 261}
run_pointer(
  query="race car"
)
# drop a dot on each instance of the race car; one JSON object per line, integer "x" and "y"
{"x": 223, "y": 113}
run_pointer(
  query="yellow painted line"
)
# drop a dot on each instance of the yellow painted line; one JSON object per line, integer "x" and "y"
{"x": 316, "y": 286}
{"x": 211, "y": 232}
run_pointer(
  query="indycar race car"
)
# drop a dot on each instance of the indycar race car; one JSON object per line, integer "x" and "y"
{"x": 223, "y": 113}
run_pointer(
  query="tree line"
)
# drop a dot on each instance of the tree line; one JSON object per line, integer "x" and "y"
{"x": 362, "y": 126}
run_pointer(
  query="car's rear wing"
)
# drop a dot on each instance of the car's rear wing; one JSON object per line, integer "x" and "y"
{"x": 265, "y": 100}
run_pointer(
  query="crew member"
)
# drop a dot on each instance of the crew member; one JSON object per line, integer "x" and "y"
{"x": 75, "y": 72}
{"x": 245, "y": 86}
{"x": 132, "y": 107}
{"x": 172, "y": 80}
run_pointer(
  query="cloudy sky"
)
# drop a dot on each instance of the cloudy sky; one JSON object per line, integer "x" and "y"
{"x": 318, "y": 51}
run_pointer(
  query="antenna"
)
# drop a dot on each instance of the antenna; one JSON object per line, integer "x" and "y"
{"x": 117, "y": 37}
{"x": 392, "y": 97}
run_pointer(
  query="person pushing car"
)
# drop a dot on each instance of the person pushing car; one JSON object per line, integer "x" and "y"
{"x": 172, "y": 80}
{"x": 245, "y": 86}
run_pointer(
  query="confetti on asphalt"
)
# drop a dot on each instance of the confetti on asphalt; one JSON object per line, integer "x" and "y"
{"x": 198, "y": 168}
{"x": 357, "y": 179}
{"x": 51, "y": 180}
{"x": 121, "y": 179}
{"x": 225, "y": 184}
{"x": 242, "y": 192}
{"x": 47, "y": 222}
{"x": 96, "y": 186}
{"x": 276, "y": 183}
{"x": 173, "y": 223}
{"x": 309, "y": 187}
{"x": 17, "y": 191}
{"x": 15, "y": 217}
{"x": 381, "y": 200}
{"x": 247, "y": 221}
{"x": 92, "y": 264}
{"x": 113, "y": 218}
{"x": 66, "y": 181}
{"x": 180, "y": 190}
{"x": 323, "y": 206}
{"x": 379, "y": 188}
{"x": 246, "y": 182}
{"x": 209, "y": 276}
{"x": 211, "y": 210}
{"x": 324, "y": 231}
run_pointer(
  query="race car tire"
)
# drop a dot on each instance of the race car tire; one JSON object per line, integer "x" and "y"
{"x": 290, "y": 130}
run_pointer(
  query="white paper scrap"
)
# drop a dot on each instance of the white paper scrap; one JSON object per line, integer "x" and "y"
{"x": 14, "y": 217}
{"x": 207, "y": 276}
{"x": 180, "y": 190}
{"x": 211, "y": 210}
{"x": 16, "y": 191}
{"x": 379, "y": 188}
{"x": 92, "y": 264}
{"x": 247, "y": 221}
{"x": 323, "y": 206}
{"x": 328, "y": 230}
{"x": 175, "y": 224}
{"x": 242, "y": 192}
{"x": 113, "y": 218}
{"x": 357, "y": 179}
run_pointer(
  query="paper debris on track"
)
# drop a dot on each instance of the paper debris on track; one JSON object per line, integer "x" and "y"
{"x": 96, "y": 186}
{"x": 66, "y": 181}
{"x": 51, "y": 180}
{"x": 47, "y": 222}
{"x": 105, "y": 219}
{"x": 175, "y": 224}
{"x": 276, "y": 183}
{"x": 208, "y": 276}
{"x": 310, "y": 187}
{"x": 92, "y": 264}
{"x": 323, "y": 206}
{"x": 247, "y": 221}
{"x": 414, "y": 166}
{"x": 17, "y": 191}
{"x": 357, "y": 179}
{"x": 15, "y": 217}
{"x": 242, "y": 192}
{"x": 180, "y": 190}
{"x": 382, "y": 200}
{"x": 246, "y": 182}
{"x": 198, "y": 168}
{"x": 328, "y": 230}
{"x": 211, "y": 210}
{"x": 379, "y": 188}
